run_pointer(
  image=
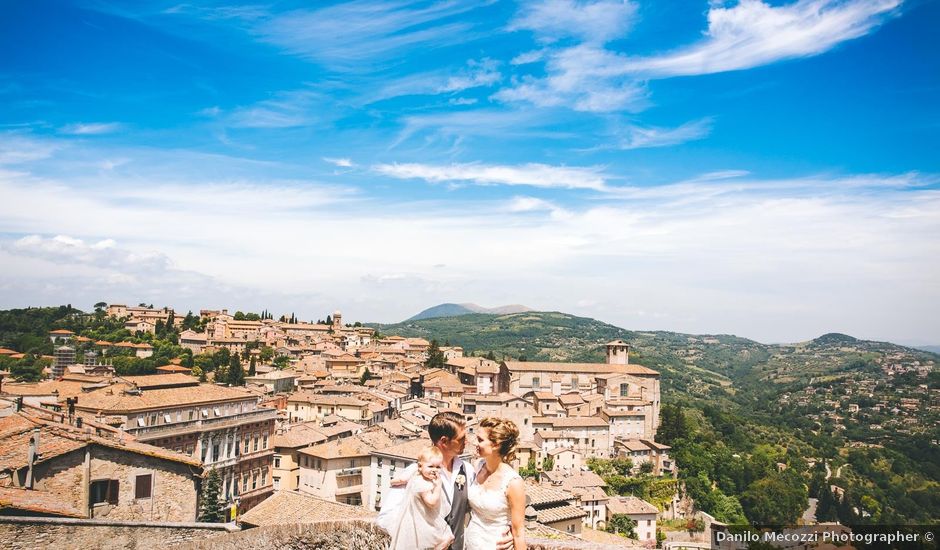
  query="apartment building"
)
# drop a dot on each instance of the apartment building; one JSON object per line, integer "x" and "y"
{"x": 223, "y": 428}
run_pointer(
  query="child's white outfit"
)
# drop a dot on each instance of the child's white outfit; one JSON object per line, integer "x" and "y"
{"x": 420, "y": 527}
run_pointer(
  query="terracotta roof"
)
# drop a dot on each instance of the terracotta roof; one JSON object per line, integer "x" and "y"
{"x": 574, "y": 480}
{"x": 125, "y": 345}
{"x": 294, "y": 507}
{"x": 560, "y": 513}
{"x": 409, "y": 449}
{"x": 36, "y": 502}
{"x": 113, "y": 400}
{"x": 545, "y": 396}
{"x": 174, "y": 369}
{"x": 58, "y": 439}
{"x": 630, "y": 505}
{"x": 66, "y": 388}
{"x": 578, "y": 368}
{"x": 321, "y": 399}
{"x": 590, "y": 494}
{"x": 560, "y": 450}
{"x": 155, "y": 381}
{"x": 634, "y": 445}
{"x": 570, "y": 399}
{"x": 299, "y": 435}
{"x": 358, "y": 445}
{"x": 103, "y": 343}
{"x": 143, "y": 345}
{"x": 538, "y": 495}
{"x": 61, "y": 331}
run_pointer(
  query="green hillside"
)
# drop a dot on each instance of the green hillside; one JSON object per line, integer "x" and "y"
{"x": 735, "y": 408}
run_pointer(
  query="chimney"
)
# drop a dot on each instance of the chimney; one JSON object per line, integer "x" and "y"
{"x": 32, "y": 456}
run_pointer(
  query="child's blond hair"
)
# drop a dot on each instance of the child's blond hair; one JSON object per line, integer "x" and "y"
{"x": 429, "y": 454}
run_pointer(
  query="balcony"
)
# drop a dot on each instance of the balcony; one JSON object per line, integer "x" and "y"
{"x": 148, "y": 433}
{"x": 349, "y": 490}
{"x": 346, "y": 472}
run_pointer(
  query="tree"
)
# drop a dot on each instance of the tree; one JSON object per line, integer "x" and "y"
{"x": 646, "y": 467}
{"x": 27, "y": 369}
{"x": 239, "y": 316}
{"x": 548, "y": 464}
{"x": 99, "y": 307}
{"x": 281, "y": 362}
{"x": 236, "y": 374}
{"x": 198, "y": 373}
{"x": 210, "y": 507}
{"x": 435, "y": 356}
{"x": 530, "y": 470}
{"x": 329, "y": 320}
{"x": 221, "y": 357}
{"x": 267, "y": 353}
{"x": 778, "y": 499}
{"x": 491, "y": 356}
{"x": 366, "y": 375}
{"x": 623, "y": 525}
{"x": 251, "y": 366}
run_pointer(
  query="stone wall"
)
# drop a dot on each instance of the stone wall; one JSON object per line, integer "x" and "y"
{"x": 65, "y": 534}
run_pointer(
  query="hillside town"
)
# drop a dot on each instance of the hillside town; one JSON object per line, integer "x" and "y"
{"x": 315, "y": 418}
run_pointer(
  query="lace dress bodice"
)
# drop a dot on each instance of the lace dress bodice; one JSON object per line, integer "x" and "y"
{"x": 489, "y": 513}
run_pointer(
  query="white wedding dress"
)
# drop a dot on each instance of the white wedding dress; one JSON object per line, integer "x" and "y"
{"x": 489, "y": 514}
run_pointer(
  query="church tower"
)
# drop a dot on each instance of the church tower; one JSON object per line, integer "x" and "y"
{"x": 337, "y": 319}
{"x": 618, "y": 353}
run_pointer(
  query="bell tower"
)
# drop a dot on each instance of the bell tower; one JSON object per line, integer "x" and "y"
{"x": 618, "y": 353}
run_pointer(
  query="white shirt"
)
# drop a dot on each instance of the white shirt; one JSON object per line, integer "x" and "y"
{"x": 392, "y": 501}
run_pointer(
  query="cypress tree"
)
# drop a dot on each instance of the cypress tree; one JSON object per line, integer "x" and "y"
{"x": 210, "y": 508}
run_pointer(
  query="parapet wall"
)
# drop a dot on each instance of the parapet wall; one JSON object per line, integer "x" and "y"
{"x": 30, "y": 533}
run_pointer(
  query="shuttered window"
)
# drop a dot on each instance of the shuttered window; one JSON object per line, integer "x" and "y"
{"x": 143, "y": 486}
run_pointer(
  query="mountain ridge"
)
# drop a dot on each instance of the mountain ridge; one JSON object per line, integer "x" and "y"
{"x": 450, "y": 309}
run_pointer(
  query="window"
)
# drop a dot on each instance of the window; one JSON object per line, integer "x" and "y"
{"x": 246, "y": 445}
{"x": 104, "y": 491}
{"x": 624, "y": 390}
{"x": 536, "y": 382}
{"x": 245, "y": 483}
{"x": 215, "y": 451}
{"x": 205, "y": 413}
{"x": 255, "y": 446}
{"x": 217, "y": 411}
{"x": 167, "y": 418}
{"x": 254, "y": 481}
{"x": 192, "y": 415}
{"x": 143, "y": 486}
{"x": 264, "y": 442}
{"x": 277, "y": 483}
{"x": 141, "y": 421}
{"x": 277, "y": 462}
{"x": 153, "y": 419}
{"x": 352, "y": 463}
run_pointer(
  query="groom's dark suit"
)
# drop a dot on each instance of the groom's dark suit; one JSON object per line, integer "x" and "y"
{"x": 459, "y": 506}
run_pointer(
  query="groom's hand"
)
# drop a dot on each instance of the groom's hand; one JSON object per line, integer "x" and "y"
{"x": 505, "y": 542}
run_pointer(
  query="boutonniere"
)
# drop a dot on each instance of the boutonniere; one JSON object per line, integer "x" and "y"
{"x": 460, "y": 480}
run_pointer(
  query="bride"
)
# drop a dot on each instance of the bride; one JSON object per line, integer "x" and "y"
{"x": 497, "y": 499}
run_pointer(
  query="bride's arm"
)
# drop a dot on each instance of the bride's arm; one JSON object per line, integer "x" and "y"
{"x": 515, "y": 493}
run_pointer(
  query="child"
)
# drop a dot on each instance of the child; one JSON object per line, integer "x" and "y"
{"x": 421, "y": 525}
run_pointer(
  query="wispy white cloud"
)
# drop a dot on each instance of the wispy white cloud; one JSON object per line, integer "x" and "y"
{"x": 754, "y": 33}
{"x": 582, "y": 78}
{"x": 354, "y": 36}
{"x": 589, "y": 21}
{"x": 476, "y": 74}
{"x": 92, "y": 128}
{"x": 638, "y": 137}
{"x": 533, "y": 174}
{"x": 341, "y": 162}
{"x": 285, "y": 109}
{"x": 590, "y": 77}
{"x": 18, "y": 148}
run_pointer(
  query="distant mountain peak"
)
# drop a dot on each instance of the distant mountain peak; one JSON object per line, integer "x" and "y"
{"x": 835, "y": 338}
{"x": 454, "y": 310}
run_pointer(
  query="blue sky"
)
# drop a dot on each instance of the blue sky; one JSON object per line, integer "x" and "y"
{"x": 766, "y": 169}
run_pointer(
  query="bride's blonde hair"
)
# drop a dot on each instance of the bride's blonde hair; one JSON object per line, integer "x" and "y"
{"x": 503, "y": 434}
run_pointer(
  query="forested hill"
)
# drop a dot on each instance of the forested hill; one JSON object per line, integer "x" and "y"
{"x": 747, "y": 406}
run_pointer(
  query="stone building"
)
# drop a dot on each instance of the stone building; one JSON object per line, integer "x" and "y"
{"x": 55, "y": 469}
{"x": 224, "y": 428}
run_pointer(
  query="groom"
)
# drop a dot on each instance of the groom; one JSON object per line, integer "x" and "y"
{"x": 448, "y": 432}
